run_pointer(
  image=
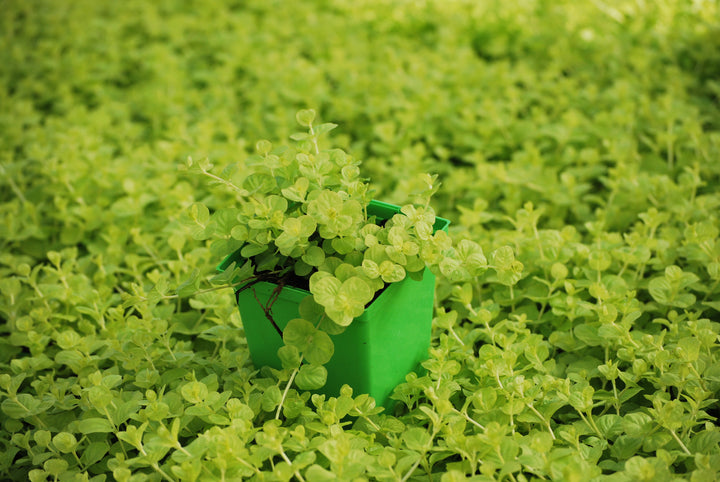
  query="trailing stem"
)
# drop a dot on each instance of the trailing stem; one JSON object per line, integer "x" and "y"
{"x": 267, "y": 309}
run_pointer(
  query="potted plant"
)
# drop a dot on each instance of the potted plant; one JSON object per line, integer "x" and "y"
{"x": 331, "y": 284}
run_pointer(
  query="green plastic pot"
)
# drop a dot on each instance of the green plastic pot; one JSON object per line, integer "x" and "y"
{"x": 375, "y": 353}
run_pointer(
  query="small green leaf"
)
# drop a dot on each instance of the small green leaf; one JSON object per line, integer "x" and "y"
{"x": 502, "y": 258}
{"x": 300, "y": 136}
{"x": 311, "y": 377}
{"x": 325, "y": 290}
{"x": 314, "y": 256}
{"x": 305, "y": 117}
{"x": 271, "y": 398}
{"x": 324, "y": 128}
{"x": 391, "y": 272}
{"x": 371, "y": 268}
{"x": 418, "y": 439}
{"x": 263, "y": 147}
{"x": 195, "y": 392}
{"x": 299, "y": 333}
{"x": 289, "y": 356}
{"x": 95, "y": 425}
{"x": 320, "y": 349}
{"x": 199, "y": 217}
{"x": 42, "y": 438}
{"x": 588, "y": 334}
{"x": 55, "y": 467}
{"x": 94, "y": 453}
{"x": 37, "y": 475}
{"x": 190, "y": 285}
{"x": 65, "y": 442}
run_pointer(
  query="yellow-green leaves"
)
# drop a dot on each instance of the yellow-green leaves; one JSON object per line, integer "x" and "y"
{"x": 314, "y": 256}
{"x": 295, "y": 234}
{"x": 422, "y": 220}
{"x": 305, "y": 117}
{"x": 387, "y": 270}
{"x": 65, "y": 442}
{"x": 315, "y": 345}
{"x": 195, "y": 392}
{"x": 343, "y": 300}
{"x": 197, "y": 220}
{"x": 671, "y": 289}
{"x": 509, "y": 270}
{"x": 298, "y": 191}
{"x": 335, "y": 215}
{"x": 306, "y": 349}
{"x": 311, "y": 377}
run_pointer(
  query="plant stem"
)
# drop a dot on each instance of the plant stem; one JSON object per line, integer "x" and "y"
{"x": 314, "y": 139}
{"x": 225, "y": 182}
{"x": 682, "y": 445}
{"x": 469, "y": 419}
{"x": 591, "y": 423}
{"x": 411, "y": 470}
{"x": 539, "y": 415}
{"x": 287, "y": 389}
{"x": 289, "y": 462}
{"x": 161, "y": 472}
{"x": 268, "y": 315}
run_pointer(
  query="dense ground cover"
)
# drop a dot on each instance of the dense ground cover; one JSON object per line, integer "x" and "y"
{"x": 585, "y": 135}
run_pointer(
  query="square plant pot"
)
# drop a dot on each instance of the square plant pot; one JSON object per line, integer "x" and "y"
{"x": 376, "y": 351}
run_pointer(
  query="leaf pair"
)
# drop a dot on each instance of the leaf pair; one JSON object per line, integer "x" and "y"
{"x": 303, "y": 341}
{"x": 343, "y": 300}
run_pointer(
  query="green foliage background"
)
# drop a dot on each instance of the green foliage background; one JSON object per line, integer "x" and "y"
{"x": 586, "y": 135}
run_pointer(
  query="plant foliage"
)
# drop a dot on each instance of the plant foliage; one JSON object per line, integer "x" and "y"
{"x": 302, "y": 218}
{"x": 579, "y": 139}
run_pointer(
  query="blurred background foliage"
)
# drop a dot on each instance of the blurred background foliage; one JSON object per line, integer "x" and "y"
{"x": 586, "y": 135}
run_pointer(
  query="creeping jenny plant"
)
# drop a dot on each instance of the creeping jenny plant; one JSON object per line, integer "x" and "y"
{"x": 302, "y": 219}
{"x": 586, "y": 135}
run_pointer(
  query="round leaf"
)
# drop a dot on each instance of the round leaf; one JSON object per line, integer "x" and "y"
{"x": 314, "y": 256}
{"x": 391, "y": 272}
{"x": 305, "y": 117}
{"x": 65, "y": 442}
{"x": 95, "y": 425}
{"x": 289, "y": 357}
{"x": 311, "y": 377}
{"x": 320, "y": 348}
{"x": 298, "y": 333}
{"x": 325, "y": 290}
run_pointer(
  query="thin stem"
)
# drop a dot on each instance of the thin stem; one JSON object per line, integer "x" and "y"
{"x": 182, "y": 449}
{"x": 670, "y": 146}
{"x": 539, "y": 242}
{"x": 455, "y": 335}
{"x": 289, "y": 462}
{"x": 314, "y": 139}
{"x": 161, "y": 472}
{"x": 246, "y": 464}
{"x": 539, "y": 415}
{"x": 682, "y": 445}
{"x": 411, "y": 470}
{"x": 512, "y": 413}
{"x": 287, "y": 389}
{"x": 226, "y": 182}
{"x": 469, "y": 419}
{"x": 615, "y": 394}
{"x": 268, "y": 315}
{"x": 591, "y": 424}
{"x": 374, "y": 425}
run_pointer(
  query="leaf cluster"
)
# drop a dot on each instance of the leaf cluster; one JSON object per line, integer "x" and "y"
{"x": 302, "y": 218}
